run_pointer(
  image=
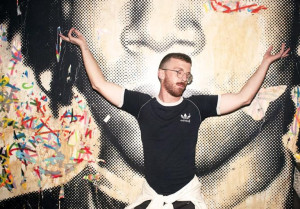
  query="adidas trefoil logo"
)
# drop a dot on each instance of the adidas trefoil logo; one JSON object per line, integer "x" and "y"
{"x": 186, "y": 118}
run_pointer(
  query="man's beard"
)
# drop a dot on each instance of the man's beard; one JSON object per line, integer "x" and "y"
{"x": 172, "y": 89}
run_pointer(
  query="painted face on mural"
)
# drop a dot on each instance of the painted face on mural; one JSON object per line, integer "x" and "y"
{"x": 129, "y": 39}
{"x": 130, "y": 42}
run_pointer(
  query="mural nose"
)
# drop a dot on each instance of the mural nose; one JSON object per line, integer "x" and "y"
{"x": 149, "y": 26}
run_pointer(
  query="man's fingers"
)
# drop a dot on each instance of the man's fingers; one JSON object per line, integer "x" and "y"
{"x": 285, "y": 52}
{"x": 281, "y": 54}
{"x": 282, "y": 49}
{"x": 70, "y": 32}
{"x": 284, "y": 55}
{"x": 77, "y": 32}
{"x": 270, "y": 49}
{"x": 64, "y": 37}
{"x": 74, "y": 36}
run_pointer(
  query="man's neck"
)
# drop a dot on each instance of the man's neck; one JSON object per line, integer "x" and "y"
{"x": 167, "y": 98}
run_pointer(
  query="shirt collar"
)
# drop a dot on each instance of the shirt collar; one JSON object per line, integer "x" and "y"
{"x": 169, "y": 103}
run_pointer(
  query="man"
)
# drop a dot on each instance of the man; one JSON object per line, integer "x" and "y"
{"x": 169, "y": 144}
{"x": 241, "y": 161}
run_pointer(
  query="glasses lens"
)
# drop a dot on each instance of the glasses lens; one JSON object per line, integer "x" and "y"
{"x": 189, "y": 79}
{"x": 180, "y": 73}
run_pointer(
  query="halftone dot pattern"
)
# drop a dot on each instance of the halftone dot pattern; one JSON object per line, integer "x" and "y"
{"x": 136, "y": 34}
{"x": 257, "y": 139}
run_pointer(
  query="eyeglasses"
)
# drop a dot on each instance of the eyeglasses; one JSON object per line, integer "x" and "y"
{"x": 180, "y": 73}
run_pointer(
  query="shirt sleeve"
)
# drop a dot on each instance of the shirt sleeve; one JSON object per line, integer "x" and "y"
{"x": 207, "y": 105}
{"x": 133, "y": 101}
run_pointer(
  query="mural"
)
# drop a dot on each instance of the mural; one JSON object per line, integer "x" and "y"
{"x": 64, "y": 146}
{"x": 47, "y": 151}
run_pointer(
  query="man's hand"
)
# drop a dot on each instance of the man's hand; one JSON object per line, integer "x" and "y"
{"x": 78, "y": 39}
{"x": 110, "y": 91}
{"x": 231, "y": 102}
{"x": 269, "y": 58}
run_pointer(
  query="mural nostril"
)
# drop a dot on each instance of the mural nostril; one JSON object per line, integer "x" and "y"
{"x": 152, "y": 28}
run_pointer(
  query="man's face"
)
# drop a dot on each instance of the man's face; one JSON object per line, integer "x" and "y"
{"x": 170, "y": 82}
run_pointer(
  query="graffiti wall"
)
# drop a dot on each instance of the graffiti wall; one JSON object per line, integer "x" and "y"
{"x": 62, "y": 145}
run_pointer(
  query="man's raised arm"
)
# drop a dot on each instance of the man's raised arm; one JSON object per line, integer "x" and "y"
{"x": 110, "y": 91}
{"x": 233, "y": 101}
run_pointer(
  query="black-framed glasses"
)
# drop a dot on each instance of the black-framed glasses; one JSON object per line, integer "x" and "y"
{"x": 181, "y": 73}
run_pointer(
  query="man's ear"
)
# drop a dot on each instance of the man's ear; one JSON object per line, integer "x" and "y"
{"x": 161, "y": 74}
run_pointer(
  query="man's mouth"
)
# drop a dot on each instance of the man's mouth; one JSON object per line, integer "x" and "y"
{"x": 181, "y": 85}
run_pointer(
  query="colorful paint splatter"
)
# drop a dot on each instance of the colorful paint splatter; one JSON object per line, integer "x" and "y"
{"x": 34, "y": 144}
{"x": 3, "y": 33}
{"x": 58, "y": 44}
{"x": 232, "y": 6}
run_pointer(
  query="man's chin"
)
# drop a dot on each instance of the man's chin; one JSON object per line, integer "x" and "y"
{"x": 177, "y": 94}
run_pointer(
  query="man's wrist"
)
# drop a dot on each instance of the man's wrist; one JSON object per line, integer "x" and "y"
{"x": 84, "y": 47}
{"x": 266, "y": 62}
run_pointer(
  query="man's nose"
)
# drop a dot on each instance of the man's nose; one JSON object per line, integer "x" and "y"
{"x": 150, "y": 25}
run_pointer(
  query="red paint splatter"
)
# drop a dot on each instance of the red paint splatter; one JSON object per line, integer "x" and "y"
{"x": 227, "y": 9}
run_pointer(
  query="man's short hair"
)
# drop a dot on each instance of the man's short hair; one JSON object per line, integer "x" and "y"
{"x": 180, "y": 56}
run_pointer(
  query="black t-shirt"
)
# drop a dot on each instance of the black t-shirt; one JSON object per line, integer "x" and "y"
{"x": 169, "y": 136}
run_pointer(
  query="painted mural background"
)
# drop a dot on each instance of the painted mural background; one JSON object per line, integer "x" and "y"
{"x": 63, "y": 146}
